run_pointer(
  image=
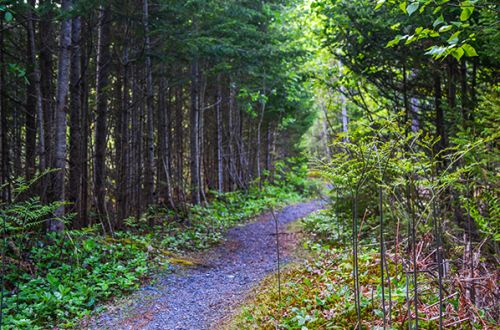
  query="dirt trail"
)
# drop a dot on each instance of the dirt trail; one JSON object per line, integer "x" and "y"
{"x": 197, "y": 298}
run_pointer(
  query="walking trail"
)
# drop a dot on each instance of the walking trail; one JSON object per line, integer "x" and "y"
{"x": 198, "y": 298}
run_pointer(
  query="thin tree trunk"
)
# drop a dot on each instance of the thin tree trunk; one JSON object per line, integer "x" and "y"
{"x": 345, "y": 118}
{"x": 149, "y": 172}
{"x": 218, "y": 118}
{"x": 75, "y": 148}
{"x": 464, "y": 94}
{"x": 164, "y": 163}
{"x": 268, "y": 149}
{"x": 4, "y": 144}
{"x": 47, "y": 45}
{"x": 439, "y": 115}
{"x": 179, "y": 137}
{"x": 60, "y": 118}
{"x": 194, "y": 144}
{"x": 259, "y": 139}
{"x": 31, "y": 95}
{"x": 231, "y": 153}
{"x": 124, "y": 167}
{"x": 85, "y": 126}
{"x": 103, "y": 64}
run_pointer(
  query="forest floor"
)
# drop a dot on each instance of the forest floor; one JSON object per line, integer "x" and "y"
{"x": 201, "y": 296}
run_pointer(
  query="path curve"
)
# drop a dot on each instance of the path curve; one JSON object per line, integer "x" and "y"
{"x": 199, "y": 297}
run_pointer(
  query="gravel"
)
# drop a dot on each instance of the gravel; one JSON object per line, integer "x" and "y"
{"x": 199, "y": 297}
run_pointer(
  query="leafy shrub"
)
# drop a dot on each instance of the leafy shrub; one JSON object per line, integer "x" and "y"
{"x": 62, "y": 277}
{"x": 53, "y": 280}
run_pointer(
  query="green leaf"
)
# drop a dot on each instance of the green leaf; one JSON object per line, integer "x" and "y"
{"x": 458, "y": 53}
{"x": 402, "y": 6}
{"x": 380, "y": 3}
{"x": 89, "y": 244}
{"x": 8, "y": 16}
{"x": 438, "y": 21}
{"x": 467, "y": 11}
{"x": 453, "y": 40}
{"x": 445, "y": 28}
{"x": 412, "y": 7}
{"x": 469, "y": 50}
{"x": 436, "y": 51}
{"x": 394, "y": 41}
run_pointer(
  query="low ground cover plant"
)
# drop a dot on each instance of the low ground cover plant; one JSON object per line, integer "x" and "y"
{"x": 52, "y": 280}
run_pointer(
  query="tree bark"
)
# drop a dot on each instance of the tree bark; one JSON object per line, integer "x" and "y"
{"x": 439, "y": 115}
{"x": 75, "y": 147}
{"x": 218, "y": 119}
{"x": 31, "y": 95}
{"x": 102, "y": 77}
{"x": 60, "y": 117}
{"x": 4, "y": 143}
{"x": 164, "y": 163}
{"x": 47, "y": 45}
{"x": 259, "y": 129}
{"x": 149, "y": 172}
{"x": 194, "y": 138}
{"x": 464, "y": 94}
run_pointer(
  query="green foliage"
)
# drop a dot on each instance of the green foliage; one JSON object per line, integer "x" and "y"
{"x": 62, "y": 277}
{"x": 318, "y": 294}
{"x": 53, "y": 280}
{"x": 204, "y": 226}
{"x": 452, "y": 29}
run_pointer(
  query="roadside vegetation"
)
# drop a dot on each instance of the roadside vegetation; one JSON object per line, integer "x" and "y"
{"x": 318, "y": 293}
{"x": 54, "y": 280}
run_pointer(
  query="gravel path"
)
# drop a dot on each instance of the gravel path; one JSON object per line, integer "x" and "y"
{"x": 196, "y": 298}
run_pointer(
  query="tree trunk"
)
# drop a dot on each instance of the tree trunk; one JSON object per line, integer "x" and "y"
{"x": 85, "y": 125}
{"x": 218, "y": 119}
{"x": 60, "y": 116}
{"x": 464, "y": 94}
{"x": 38, "y": 93}
{"x": 4, "y": 143}
{"x": 440, "y": 124}
{"x": 268, "y": 148}
{"x": 75, "y": 145}
{"x": 31, "y": 95}
{"x": 47, "y": 45}
{"x": 124, "y": 152}
{"x": 103, "y": 64}
{"x": 164, "y": 163}
{"x": 259, "y": 132}
{"x": 149, "y": 172}
{"x": 194, "y": 143}
{"x": 179, "y": 139}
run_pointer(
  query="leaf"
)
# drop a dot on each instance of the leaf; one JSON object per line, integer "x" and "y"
{"x": 469, "y": 50}
{"x": 445, "y": 28}
{"x": 467, "y": 11}
{"x": 89, "y": 244}
{"x": 453, "y": 40}
{"x": 8, "y": 16}
{"x": 412, "y": 7}
{"x": 394, "y": 41}
{"x": 458, "y": 53}
{"x": 436, "y": 51}
{"x": 438, "y": 21}
{"x": 380, "y": 3}
{"x": 402, "y": 6}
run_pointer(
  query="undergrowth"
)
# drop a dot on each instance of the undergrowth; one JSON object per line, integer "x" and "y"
{"x": 54, "y": 280}
{"x": 318, "y": 293}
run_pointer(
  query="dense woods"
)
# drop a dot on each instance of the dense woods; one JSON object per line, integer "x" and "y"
{"x": 120, "y": 119}
{"x": 143, "y": 103}
{"x": 132, "y": 131}
{"x": 407, "y": 136}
